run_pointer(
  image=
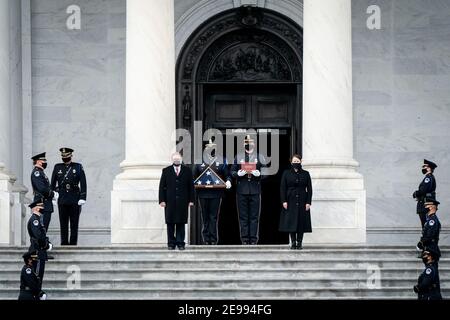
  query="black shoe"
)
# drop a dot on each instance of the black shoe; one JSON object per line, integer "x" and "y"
{"x": 293, "y": 246}
{"x": 245, "y": 243}
{"x": 207, "y": 243}
{"x": 253, "y": 243}
{"x": 181, "y": 248}
{"x": 171, "y": 248}
{"x": 299, "y": 246}
{"x": 50, "y": 257}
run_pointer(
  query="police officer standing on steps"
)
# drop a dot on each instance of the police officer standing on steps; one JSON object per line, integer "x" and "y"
{"x": 427, "y": 189}
{"x": 210, "y": 193}
{"x": 30, "y": 283}
{"x": 38, "y": 238}
{"x": 428, "y": 286}
{"x": 41, "y": 188}
{"x": 431, "y": 228}
{"x": 247, "y": 171}
{"x": 70, "y": 180}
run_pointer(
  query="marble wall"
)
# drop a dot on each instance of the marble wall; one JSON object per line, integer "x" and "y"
{"x": 401, "y": 77}
{"x": 78, "y": 99}
{"x": 401, "y": 103}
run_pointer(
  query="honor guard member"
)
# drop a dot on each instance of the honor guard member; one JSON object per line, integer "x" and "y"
{"x": 41, "y": 187}
{"x": 30, "y": 284}
{"x": 38, "y": 238}
{"x": 69, "y": 180}
{"x": 211, "y": 178}
{"x": 247, "y": 171}
{"x": 428, "y": 285}
{"x": 427, "y": 189}
{"x": 431, "y": 228}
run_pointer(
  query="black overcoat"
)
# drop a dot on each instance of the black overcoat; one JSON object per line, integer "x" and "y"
{"x": 296, "y": 190}
{"x": 176, "y": 192}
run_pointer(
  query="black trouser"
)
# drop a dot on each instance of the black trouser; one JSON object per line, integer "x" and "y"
{"x": 39, "y": 265}
{"x": 175, "y": 234}
{"x": 210, "y": 211}
{"x": 296, "y": 238}
{"x": 46, "y": 217}
{"x": 249, "y": 206}
{"x": 69, "y": 212}
{"x": 423, "y": 218}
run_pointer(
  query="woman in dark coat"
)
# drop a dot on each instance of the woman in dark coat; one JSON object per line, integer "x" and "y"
{"x": 295, "y": 194}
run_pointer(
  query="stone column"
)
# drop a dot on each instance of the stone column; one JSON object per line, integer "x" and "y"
{"x": 7, "y": 198}
{"x": 339, "y": 210}
{"x": 150, "y": 122}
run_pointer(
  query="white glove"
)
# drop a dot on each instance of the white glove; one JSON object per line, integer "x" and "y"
{"x": 81, "y": 202}
{"x": 50, "y": 247}
{"x": 256, "y": 173}
{"x": 43, "y": 296}
{"x": 55, "y": 195}
{"x": 54, "y": 202}
{"x": 242, "y": 173}
{"x": 228, "y": 184}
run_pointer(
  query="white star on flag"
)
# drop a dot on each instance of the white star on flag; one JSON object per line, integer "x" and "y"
{"x": 217, "y": 181}
{"x": 208, "y": 182}
{"x": 208, "y": 173}
{"x": 199, "y": 183}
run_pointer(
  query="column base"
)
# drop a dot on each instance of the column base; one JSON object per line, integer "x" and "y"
{"x": 11, "y": 211}
{"x": 338, "y": 211}
{"x": 136, "y": 217}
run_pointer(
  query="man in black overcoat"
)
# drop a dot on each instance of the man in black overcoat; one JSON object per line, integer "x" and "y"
{"x": 176, "y": 195}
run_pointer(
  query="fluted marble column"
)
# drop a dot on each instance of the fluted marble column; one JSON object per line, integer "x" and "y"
{"x": 338, "y": 212}
{"x": 150, "y": 122}
{"x": 6, "y": 178}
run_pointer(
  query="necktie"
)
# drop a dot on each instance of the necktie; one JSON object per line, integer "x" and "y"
{"x": 178, "y": 170}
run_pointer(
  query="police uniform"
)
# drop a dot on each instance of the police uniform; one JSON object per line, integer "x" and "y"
{"x": 38, "y": 240}
{"x": 42, "y": 190}
{"x": 427, "y": 188}
{"x": 30, "y": 283}
{"x": 69, "y": 180}
{"x": 211, "y": 198}
{"x": 248, "y": 194}
{"x": 428, "y": 285}
{"x": 430, "y": 230}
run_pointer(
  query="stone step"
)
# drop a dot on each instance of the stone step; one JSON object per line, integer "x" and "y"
{"x": 256, "y": 284}
{"x": 235, "y": 264}
{"x": 313, "y": 292}
{"x": 53, "y": 273}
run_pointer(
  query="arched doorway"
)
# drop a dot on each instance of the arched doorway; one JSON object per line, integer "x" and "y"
{"x": 243, "y": 69}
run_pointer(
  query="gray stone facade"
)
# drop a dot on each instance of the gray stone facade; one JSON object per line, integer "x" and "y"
{"x": 401, "y": 77}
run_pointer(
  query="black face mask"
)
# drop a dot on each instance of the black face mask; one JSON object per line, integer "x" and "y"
{"x": 424, "y": 171}
{"x": 44, "y": 165}
{"x": 66, "y": 160}
{"x": 177, "y": 164}
{"x": 425, "y": 260}
{"x": 297, "y": 166}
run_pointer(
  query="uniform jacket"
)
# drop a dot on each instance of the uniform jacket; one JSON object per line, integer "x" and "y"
{"x": 427, "y": 188}
{"x": 248, "y": 184}
{"x": 30, "y": 284}
{"x": 38, "y": 238}
{"x": 42, "y": 189}
{"x": 176, "y": 192}
{"x": 70, "y": 181}
{"x": 430, "y": 231}
{"x": 428, "y": 285}
{"x": 296, "y": 190}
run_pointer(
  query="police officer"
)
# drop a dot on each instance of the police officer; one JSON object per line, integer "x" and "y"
{"x": 432, "y": 226}
{"x": 41, "y": 187}
{"x": 428, "y": 285}
{"x": 30, "y": 284}
{"x": 38, "y": 238}
{"x": 247, "y": 171}
{"x": 69, "y": 180}
{"x": 427, "y": 188}
{"x": 214, "y": 171}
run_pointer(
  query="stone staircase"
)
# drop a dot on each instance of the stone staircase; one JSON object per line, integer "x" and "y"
{"x": 226, "y": 272}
